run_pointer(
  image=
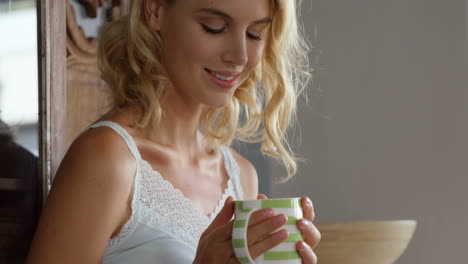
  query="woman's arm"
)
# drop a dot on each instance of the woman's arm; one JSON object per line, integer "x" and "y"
{"x": 88, "y": 202}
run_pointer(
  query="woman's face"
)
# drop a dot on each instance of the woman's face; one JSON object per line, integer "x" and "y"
{"x": 211, "y": 46}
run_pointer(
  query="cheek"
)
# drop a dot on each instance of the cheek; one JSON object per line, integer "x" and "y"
{"x": 201, "y": 51}
{"x": 255, "y": 55}
{"x": 197, "y": 47}
{"x": 187, "y": 47}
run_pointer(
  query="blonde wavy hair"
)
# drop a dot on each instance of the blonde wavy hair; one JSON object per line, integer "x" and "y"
{"x": 262, "y": 108}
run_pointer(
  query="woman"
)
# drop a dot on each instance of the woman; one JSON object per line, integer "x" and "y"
{"x": 144, "y": 184}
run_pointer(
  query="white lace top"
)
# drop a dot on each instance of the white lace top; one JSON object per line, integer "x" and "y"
{"x": 165, "y": 226}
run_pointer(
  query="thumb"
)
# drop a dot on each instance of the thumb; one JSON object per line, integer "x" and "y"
{"x": 223, "y": 217}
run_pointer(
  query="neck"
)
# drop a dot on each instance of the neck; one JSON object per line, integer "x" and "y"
{"x": 178, "y": 127}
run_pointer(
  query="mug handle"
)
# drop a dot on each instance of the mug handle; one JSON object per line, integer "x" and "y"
{"x": 239, "y": 237}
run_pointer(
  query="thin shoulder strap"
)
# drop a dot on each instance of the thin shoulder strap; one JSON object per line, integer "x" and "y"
{"x": 135, "y": 205}
{"x": 122, "y": 132}
{"x": 233, "y": 171}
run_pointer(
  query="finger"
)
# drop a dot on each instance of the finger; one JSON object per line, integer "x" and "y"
{"x": 260, "y": 215}
{"x": 307, "y": 208}
{"x": 233, "y": 260}
{"x": 308, "y": 256}
{"x": 261, "y": 197}
{"x": 224, "y": 253}
{"x": 223, "y": 233}
{"x": 268, "y": 243}
{"x": 264, "y": 228}
{"x": 223, "y": 217}
{"x": 311, "y": 234}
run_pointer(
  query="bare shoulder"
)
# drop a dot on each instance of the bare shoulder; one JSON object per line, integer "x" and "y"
{"x": 103, "y": 148}
{"x": 87, "y": 202}
{"x": 248, "y": 176}
{"x": 100, "y": 155}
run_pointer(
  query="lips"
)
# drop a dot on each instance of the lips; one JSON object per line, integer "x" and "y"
{"x": 224, "y": 79}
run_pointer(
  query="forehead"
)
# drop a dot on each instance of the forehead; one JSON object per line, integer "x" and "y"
{"x": 244, "y": 10}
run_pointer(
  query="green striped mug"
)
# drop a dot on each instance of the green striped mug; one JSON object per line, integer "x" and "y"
{"x": 284, "y": 253}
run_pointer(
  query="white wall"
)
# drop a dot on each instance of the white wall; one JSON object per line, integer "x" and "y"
{"x": 387, "y": 138}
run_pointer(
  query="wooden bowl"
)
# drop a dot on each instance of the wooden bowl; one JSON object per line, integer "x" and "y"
{"x": 379, "y": 242}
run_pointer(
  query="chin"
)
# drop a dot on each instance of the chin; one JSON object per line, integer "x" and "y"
{"x": 217, "y": 105}
{"x": 218, "y": 102}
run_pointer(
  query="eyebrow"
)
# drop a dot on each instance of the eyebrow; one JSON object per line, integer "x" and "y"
{"x": 220, "y": 13}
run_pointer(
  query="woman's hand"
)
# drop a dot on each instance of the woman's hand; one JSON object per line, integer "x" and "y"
{"x": 309, "y": 231}
{"x": 215, "y": 245}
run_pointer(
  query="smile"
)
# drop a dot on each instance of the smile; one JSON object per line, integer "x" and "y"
{"x": 223, "y": 79}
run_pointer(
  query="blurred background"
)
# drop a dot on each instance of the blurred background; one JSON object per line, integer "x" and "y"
{"x": 385, "y": 133}
{"x": 18, "y": 70}
{"x": 18, "y": 127}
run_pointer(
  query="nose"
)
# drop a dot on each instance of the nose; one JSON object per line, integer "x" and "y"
{"x": 236, "y": 50}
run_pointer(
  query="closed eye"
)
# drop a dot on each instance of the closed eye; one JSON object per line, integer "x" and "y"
{"x": 221, "y": 30}
{"x": 212, "y": 30}
{"x": 254, "y": 37}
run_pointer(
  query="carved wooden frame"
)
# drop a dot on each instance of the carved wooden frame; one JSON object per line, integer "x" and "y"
{"x": 62, "y": 46}
{"x": 81, "y": 49}
{"x": 87, "y": 93}
{"x": 52, "y": 96}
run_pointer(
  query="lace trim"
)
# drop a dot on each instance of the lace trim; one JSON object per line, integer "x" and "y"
{"x": 166, "y": 208}
{"x": 130, "y": 224}
{"x": 233, "y": 169}
{"x": 187, "y": 222}
{"x": 167, "y": 225}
